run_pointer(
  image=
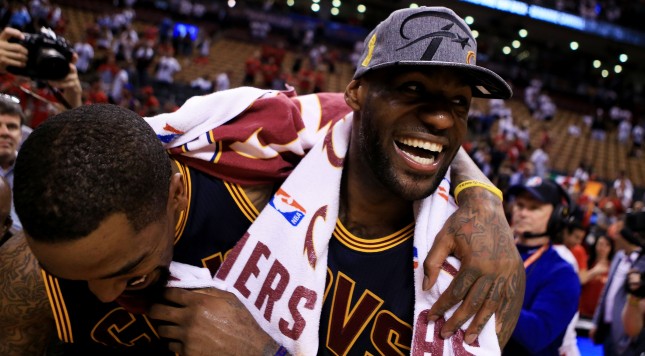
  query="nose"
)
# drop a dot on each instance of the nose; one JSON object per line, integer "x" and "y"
{"x": 106, "y": 290}
{"x": 437, "y": 117}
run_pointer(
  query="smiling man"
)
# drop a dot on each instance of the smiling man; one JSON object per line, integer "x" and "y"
{"x": 341, "y": 274}
{"x": 11, "y": 119}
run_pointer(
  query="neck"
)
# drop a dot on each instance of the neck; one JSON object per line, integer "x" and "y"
{"x": 367, "y": 208}
{"x": 7, "y": 162}
{"x": 533, "y": 242}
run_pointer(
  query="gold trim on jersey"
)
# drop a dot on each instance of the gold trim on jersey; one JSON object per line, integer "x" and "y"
{"x": 59, "y": 310}
{"x": 372, "y": 245}
{"x": 242, "y": 201}
{"x": 183, "y": 215}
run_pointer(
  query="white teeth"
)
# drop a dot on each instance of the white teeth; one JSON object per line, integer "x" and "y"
{"x": 430, "y": 146}
{"x": 419, "y": 160}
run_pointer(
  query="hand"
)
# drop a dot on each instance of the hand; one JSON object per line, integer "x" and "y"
{"x": 70, "y": 86}
{"x": 11, "y": 54}
{"x": 210, "y": 322}
{"x": 599, "y": 269}
{"x": 491, "y": 278}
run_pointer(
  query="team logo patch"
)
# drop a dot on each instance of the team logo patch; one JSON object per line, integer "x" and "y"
{"x": 288, "y": 207}
{"x": 415, "y": 258}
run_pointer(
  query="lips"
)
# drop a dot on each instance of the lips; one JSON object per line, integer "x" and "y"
{"x": 419, "y": 153}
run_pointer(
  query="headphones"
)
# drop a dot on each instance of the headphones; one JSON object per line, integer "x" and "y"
{"x": 562, "y": 215}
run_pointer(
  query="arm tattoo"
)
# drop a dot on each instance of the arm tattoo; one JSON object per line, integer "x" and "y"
{"x": 26, "y": 323}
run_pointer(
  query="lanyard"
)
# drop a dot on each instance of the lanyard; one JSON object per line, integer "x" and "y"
{"x": 535, "y": 256}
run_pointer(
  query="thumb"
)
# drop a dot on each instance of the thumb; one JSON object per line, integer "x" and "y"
{"x": 440, "y": 250}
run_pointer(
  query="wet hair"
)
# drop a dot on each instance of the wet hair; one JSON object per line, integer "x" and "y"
{"x": 83, "y": 165}
{"x": 9, "y": 106}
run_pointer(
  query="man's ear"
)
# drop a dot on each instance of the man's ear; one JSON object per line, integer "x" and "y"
{"x": 354, "y": 94}
{"x": 178, "y": 195}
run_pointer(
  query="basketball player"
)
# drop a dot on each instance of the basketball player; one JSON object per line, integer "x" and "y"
{"x": 131, "y": 210}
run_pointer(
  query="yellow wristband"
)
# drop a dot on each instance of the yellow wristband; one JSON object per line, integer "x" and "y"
{"x": 475, "y": 183}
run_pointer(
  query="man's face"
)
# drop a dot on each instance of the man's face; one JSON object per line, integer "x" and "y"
{"x": 574, "y": 237}
{"x": 113, "y": 259}
{"x": 412, "y": 123}
{"x": 530, "y": 215}
{"x": 10, "y": 135}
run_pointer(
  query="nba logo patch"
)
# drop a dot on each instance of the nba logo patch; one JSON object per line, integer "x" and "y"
{"x": 415, "y": 258}
{"x": 288, "y": 207}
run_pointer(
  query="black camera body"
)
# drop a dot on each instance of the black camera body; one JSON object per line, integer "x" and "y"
{"x": 49, "y": 56}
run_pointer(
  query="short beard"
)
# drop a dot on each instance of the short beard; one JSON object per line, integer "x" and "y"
{"x": 379, "y": 163}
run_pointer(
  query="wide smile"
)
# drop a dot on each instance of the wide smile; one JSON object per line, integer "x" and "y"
{"x": 420, "y": 154}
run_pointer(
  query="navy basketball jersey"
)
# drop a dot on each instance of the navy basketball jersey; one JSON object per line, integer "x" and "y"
{"x": 218, "y": 214}
{"x": 368, "y": 311}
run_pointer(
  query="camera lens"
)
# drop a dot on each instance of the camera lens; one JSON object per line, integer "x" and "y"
{"x": 51, "y": 64}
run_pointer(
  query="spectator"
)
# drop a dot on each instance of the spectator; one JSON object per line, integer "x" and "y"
{"x": 223, "y": 80}
{"x": 85, "y": 53}
{"x": 595, "y": 279}
{"x": 540, "y": 160}
{"x": 252, "y": 66}
{"x": 608, "y": 325}
{"x": 539, "y": 212}
{"x": 624, "y": 189}
{"x": 11, "y": 119}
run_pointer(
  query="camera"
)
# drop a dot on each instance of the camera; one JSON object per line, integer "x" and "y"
{"x": 49, "y": 56}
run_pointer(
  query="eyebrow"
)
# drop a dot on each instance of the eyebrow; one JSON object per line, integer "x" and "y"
{"x": 123, "y": 270}
{"x": 126, "y": 268}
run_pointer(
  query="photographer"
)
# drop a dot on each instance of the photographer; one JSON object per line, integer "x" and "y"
{"x": 634, "y": 310}
{"x": 14, "y": 56}
{"x": 621, "y": 334}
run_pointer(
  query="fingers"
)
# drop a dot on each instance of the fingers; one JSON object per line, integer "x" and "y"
{"x": 490, "y": 305}
{"x": 166, "y": 313}
{"x": 455, "y": 292}
{"x": 10, "y": 32}
{"x": 12, "y": 54}
{"x": 441, "y": 248}
{"x": 172, "y": 332}
{"x": 473, "y": 303}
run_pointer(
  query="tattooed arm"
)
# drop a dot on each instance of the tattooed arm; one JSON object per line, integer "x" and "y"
{"x": 26, "y": 323}
{"x": 491, "y": 278}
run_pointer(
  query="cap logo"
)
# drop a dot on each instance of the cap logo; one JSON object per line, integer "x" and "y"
{"x": 534, "y": 182}
{"x": 370, "y": 51}
{"x": 446, "y": 32}
{"x": 470, "y": 56}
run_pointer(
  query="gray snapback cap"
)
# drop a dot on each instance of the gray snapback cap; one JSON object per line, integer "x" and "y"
{"x": 429, "y": 36}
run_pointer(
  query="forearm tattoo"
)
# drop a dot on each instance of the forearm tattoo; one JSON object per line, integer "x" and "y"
{"x": 26, "y": 323}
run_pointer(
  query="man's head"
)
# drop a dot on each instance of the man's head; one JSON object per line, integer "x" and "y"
{"x": 411, "y": 94}
{"x": 94, "y": 192}
{"x": 11, "y": 119}
{"x": 541, "y": 209}
{"x": 575, "y": 231}
{"x": 633, "y": 230}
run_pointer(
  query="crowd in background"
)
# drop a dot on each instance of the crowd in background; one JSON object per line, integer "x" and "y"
{"x": 137, "y": 69}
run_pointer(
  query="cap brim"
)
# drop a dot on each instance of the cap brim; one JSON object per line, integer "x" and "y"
{"x": 484, "y": 82}
{"x": 518, "y": 189}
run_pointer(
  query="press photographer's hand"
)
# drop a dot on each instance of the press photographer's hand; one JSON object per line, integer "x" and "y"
{"x": 11, "y": 54}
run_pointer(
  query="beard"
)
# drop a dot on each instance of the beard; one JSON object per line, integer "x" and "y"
{"x": 140, "y": 301}
{"x": 412, "y": 186}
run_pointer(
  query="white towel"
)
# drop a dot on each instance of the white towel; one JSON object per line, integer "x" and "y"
{"x": 278, "y": 268}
